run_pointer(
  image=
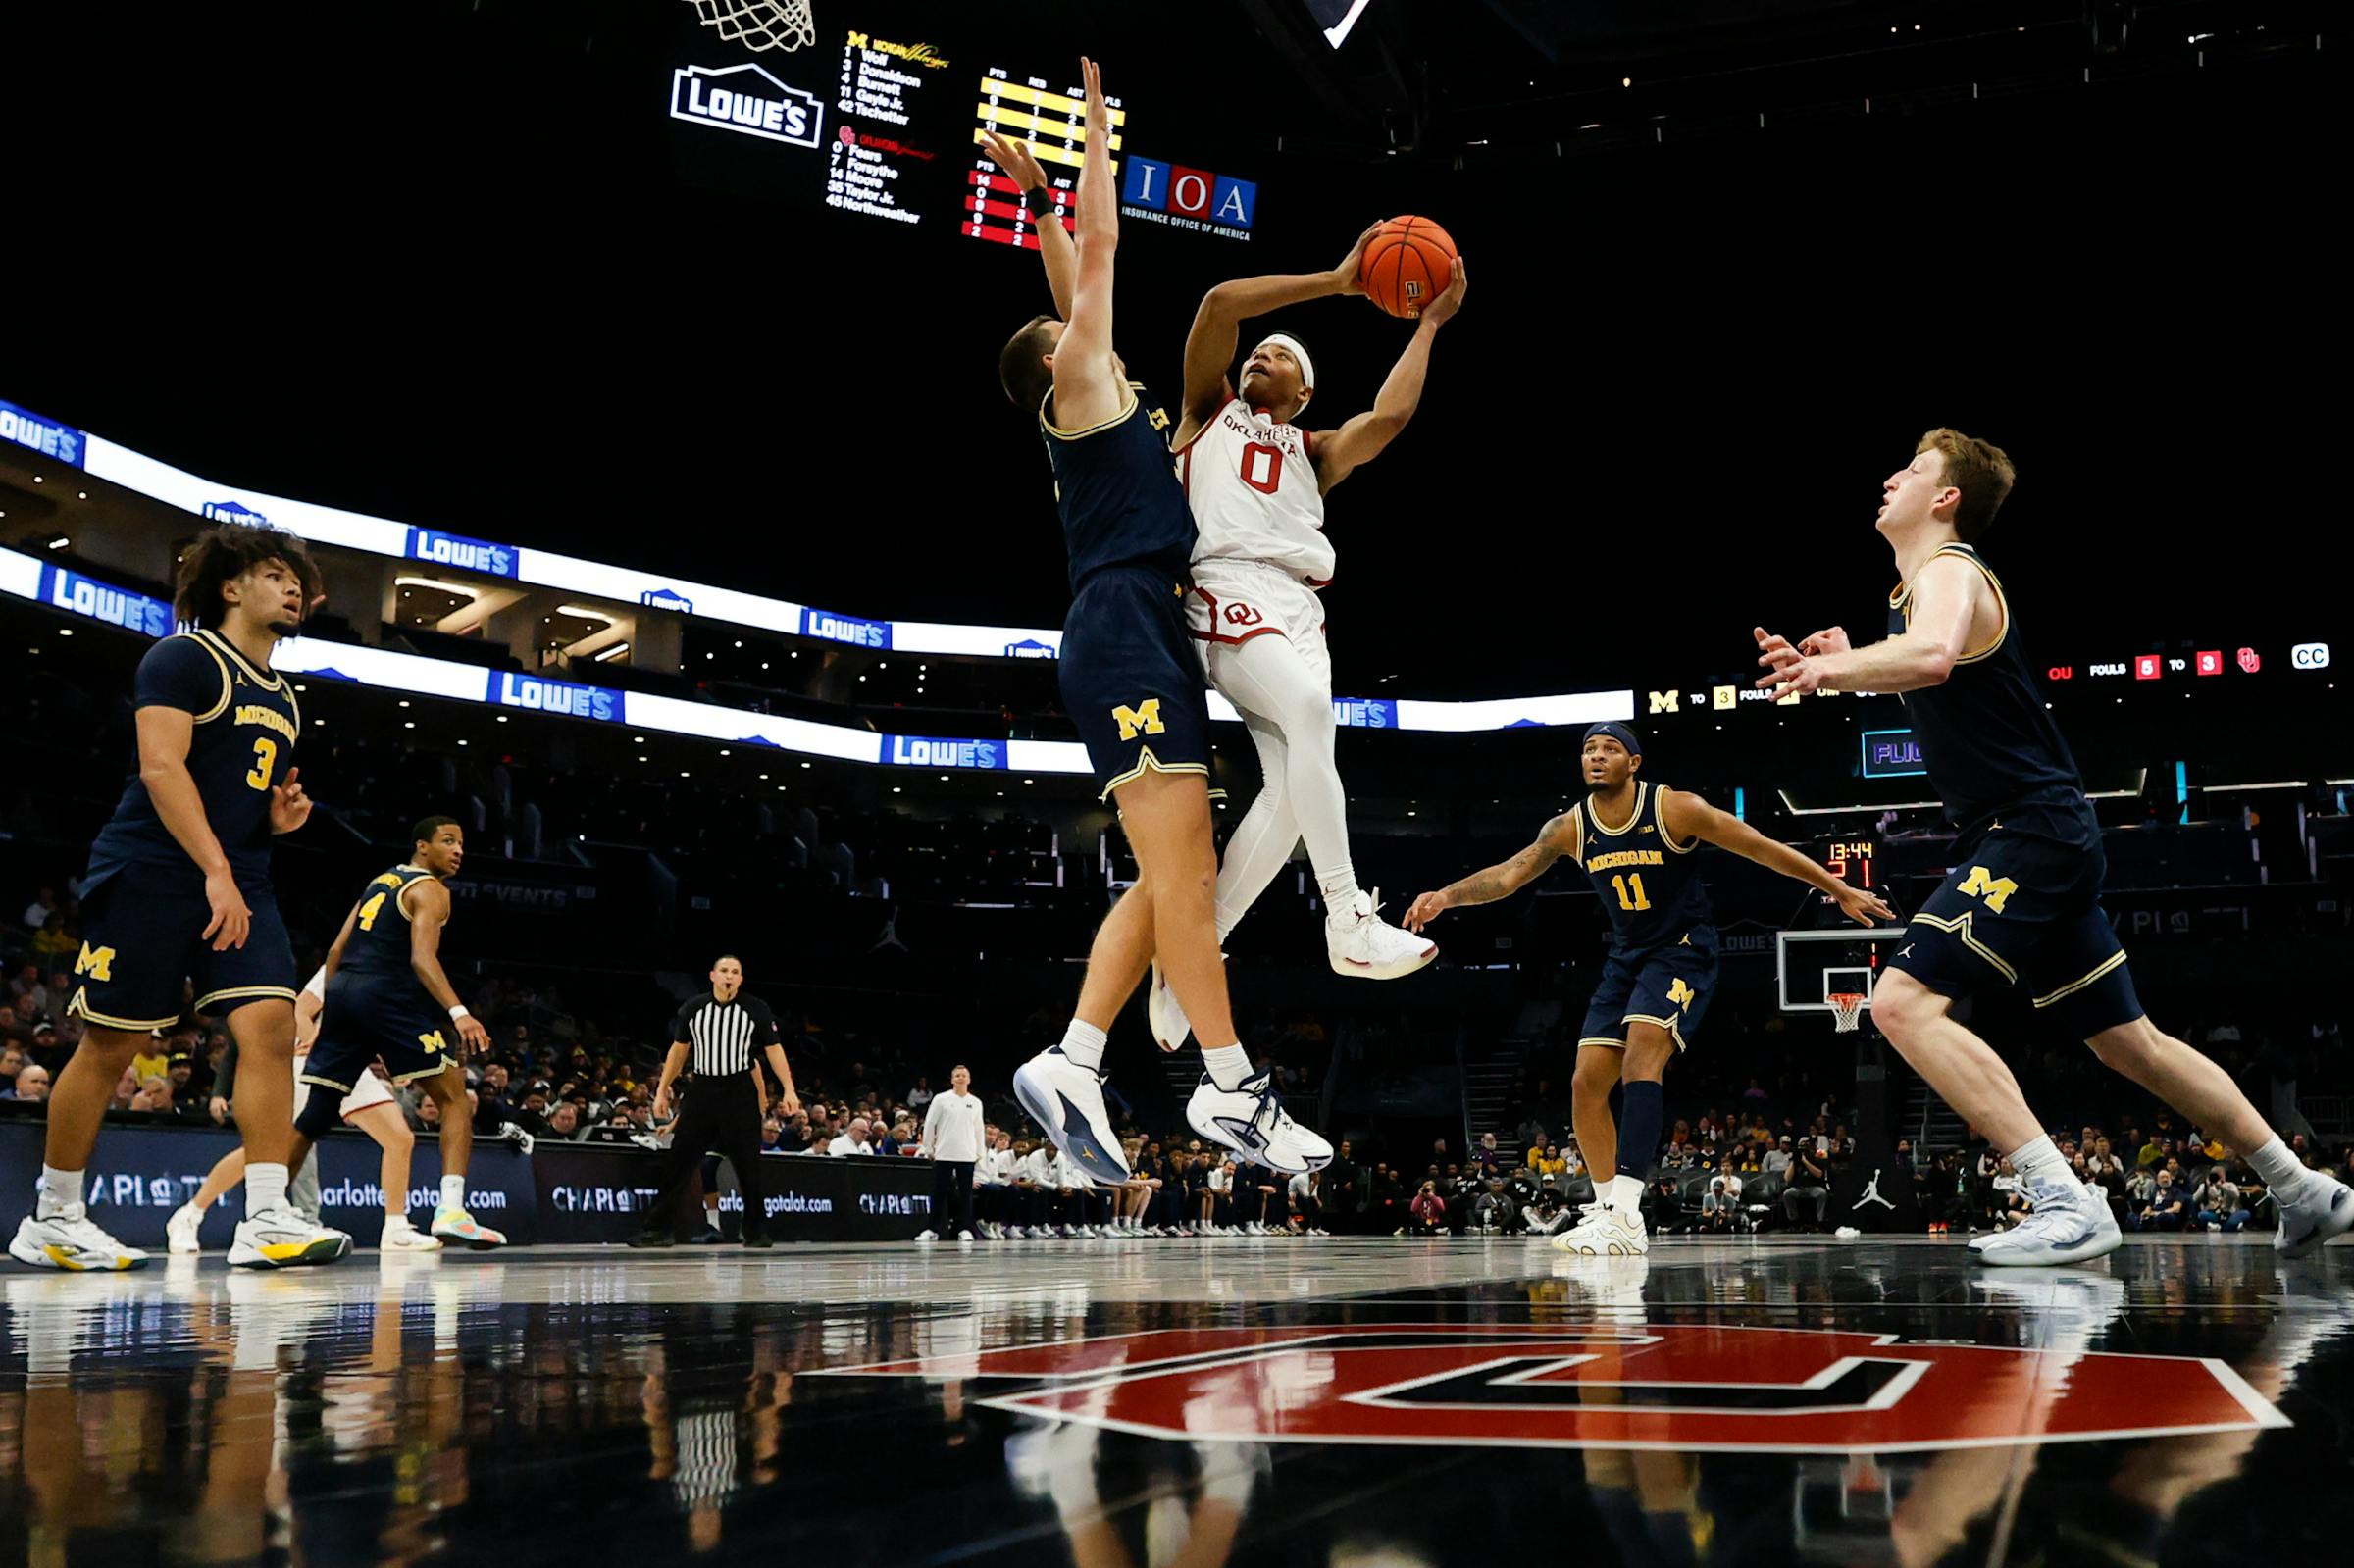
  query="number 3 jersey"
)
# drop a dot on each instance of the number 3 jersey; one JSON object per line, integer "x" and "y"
{"x": 1649, "y": 884}
{"x": 245, "y": 722}
{"x": 1252, "y": 483}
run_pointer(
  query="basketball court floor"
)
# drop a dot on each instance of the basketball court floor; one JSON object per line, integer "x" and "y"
{"x": 1119, "y": 1404}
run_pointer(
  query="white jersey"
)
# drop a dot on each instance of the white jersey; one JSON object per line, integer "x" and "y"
{"x": 1252, "y": 483}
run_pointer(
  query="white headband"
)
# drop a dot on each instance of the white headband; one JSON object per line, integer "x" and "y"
{"x": 1307, "y": 366}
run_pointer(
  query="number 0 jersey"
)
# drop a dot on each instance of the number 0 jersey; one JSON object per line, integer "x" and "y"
{"x": 1648, "y": 882}
{"x": 1252, "y": 483}
{"x": 245, "y": 723}
{"x": 380, "y": 938}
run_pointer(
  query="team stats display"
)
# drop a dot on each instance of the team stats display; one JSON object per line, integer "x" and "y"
{"x": 885, "y": 126}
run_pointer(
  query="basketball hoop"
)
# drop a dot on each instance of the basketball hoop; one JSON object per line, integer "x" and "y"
{"x": 760, "y": 24}
{"x": 1847, "y": 1010}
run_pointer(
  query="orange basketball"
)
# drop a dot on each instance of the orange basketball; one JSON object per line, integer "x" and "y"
{"x": 1408, "y": 263}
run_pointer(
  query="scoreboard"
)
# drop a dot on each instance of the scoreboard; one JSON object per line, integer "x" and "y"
{"x": 881, "y": 123}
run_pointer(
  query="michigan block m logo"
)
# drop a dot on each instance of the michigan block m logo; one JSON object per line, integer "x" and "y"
{"x": 1144, "y": 718}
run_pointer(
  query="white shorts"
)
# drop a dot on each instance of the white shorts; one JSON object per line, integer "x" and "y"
{"x": 368, "y": 1090}
{"x": 1234, "y": 601}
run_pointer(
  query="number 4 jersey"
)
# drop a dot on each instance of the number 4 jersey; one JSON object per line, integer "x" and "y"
{"x": 1252, "y": 484}
{"x": 245, "y": 723}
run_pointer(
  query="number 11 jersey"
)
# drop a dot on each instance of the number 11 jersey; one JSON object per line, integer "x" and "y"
{"x": 1649, "y": 884}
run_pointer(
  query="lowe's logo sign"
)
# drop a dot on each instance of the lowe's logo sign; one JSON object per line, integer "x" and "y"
{"x": 555, "y": 696}
{"x": 846, "y": 629}
{"x": 87, "y": 597}
{"x": 234, "y": 512}
{"x": 1364, "y": 712}
{"x": 456, "y": 550}
{"x": 922, "y": 752}
{"x": 667, "y": 599}
{"x": 24, "y": 427}
{"x": 747, "y": 100}
{"x": 1029, "y": 648}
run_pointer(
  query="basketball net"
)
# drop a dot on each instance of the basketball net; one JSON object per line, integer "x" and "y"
{"x": 1847, "y": 1011}
{"x": 760, "y": 24}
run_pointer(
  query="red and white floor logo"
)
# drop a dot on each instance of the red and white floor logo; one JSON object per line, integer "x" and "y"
{"x": 1685, "y": 1387}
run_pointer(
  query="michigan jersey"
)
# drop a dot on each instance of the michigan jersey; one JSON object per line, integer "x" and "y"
{"x": 380, "y": 938}
{"x": 1648, "y": 882}
{"x": 1117, "y": 491}
{"x": 245, "y": 723}
{"x": 1986, "y": 734}
{"x": 1252, "y": 483}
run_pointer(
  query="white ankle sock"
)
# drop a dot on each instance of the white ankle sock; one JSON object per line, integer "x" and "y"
{"x": 61, "y": 1194}
{"x": 2280, "y": 1169}
{"x": 1338, "y": 887}
{"x": 453, "y": 1192}
{"x": 1083, "y": 1043}
{"x": 265, "y": 1188}
{"x": 1626, "y": 1193}
{"x": 1227, "y": 1065}
{"x": 2036, "y": 1160}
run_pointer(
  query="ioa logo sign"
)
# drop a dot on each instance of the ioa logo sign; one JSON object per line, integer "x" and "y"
{"x": 924, "y": 751}
{"x": 234, "y": 512}
{"x": 455, "y": 549}
{"x": 1218, "y": 200}
{"x": 745, "y": 99}
{"x": 1676, "y": 1387}
{"x": 555, "y": 696}
{"x": 846, "y": 629}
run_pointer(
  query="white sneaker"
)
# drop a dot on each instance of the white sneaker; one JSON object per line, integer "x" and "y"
{"x": 964, "y": 1238}
{"x": 2323, "y": 1208}
{"x": 400, "y": 1235}
{"x": 73, "y": 1242}
{"x": 280, "y": 1239}
{"x": 1067, "y": 1100}
{"x": 1606, "y": 1233}
{"x": 1361, "y": 945}
{"x": 1251, "y": 1121}
{"x": 180, "y": 1231}
{"x": 927, "y": 1236}
{"x": 2070, "y": 1223}
{"x": 1165, "y": 1013}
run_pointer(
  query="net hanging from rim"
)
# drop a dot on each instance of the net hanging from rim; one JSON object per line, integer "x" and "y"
{"x": 760, "y": 24}
{"x": 1847, "y": 1010}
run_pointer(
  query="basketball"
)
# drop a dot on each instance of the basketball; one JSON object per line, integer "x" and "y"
{"x": 1407, "y": 264}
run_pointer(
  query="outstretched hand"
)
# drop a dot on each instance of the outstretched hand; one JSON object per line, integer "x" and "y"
{"x": 1345, "y": 278}
{"x": 1099, "y": 112}
{"x": 1013, "y": 155}
{"x": 1451, "y": 299}
{"x": 1793, "y": 670}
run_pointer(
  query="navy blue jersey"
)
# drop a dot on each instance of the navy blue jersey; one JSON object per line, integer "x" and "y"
{"x": 246, "y": 722}
{"x": 1988, "y": 741}
{"x": 379, "y": 938}
{"x": 1648, "y": 882}
{"x": 1116, "y": 488}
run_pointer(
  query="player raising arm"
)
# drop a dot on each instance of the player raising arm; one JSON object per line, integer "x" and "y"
{"x": 1129, "y": 681}
{"x": 1635, "y": 841}
{"x": 1255, "y": 476}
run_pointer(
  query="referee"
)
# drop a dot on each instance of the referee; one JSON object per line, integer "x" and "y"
{"x": 720, "y": 1031}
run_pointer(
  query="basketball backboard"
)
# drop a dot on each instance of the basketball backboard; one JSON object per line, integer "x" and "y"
{"x": 1810, "y": 967}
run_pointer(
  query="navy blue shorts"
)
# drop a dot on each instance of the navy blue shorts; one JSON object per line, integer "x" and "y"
{"x": 142, "y": 940}
{"x": 1668, "y": 985}
{"x": 1130, "y": 680}
{"x": 368, "y": 1017}
{"x": 2022, "y": 907}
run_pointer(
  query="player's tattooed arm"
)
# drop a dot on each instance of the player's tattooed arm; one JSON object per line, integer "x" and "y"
{"x": 1362, "y": 438}
{"x": 1687, "y": 815}
{"x": 1559, "y": 838}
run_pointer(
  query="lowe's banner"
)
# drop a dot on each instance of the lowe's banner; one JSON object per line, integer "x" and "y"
{"x": 22, "y": 427}
{"x": 29, "y": 578}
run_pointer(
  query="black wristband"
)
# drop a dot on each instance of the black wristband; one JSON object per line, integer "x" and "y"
{"x": 1039, "y": 200}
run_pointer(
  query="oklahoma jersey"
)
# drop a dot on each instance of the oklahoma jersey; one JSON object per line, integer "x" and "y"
{"x": 1252, "y": 484}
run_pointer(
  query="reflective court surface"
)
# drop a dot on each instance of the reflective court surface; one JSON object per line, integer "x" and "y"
{"x": 1126, "y": 1405}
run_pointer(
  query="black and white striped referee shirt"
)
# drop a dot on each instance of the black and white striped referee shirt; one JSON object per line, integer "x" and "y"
{"x": 724, "y": 1035}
